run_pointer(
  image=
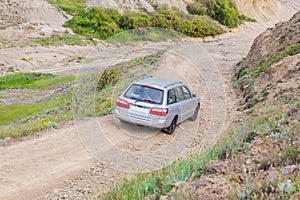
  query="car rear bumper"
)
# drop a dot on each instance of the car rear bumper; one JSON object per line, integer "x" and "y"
{"x": 157, "y": 123}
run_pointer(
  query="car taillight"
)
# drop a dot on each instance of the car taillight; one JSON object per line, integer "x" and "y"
{"x": 159, "y": 111}
{"x": 122, "y": 103}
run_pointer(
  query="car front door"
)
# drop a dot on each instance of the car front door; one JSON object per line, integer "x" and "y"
{"x": 187, "y": 104}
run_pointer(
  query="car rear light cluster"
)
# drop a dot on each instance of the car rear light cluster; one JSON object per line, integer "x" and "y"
{"x": 159, "y": 111}
{"x": 122, "y": 103}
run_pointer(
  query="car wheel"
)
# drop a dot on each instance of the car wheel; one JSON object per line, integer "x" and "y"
{"x": 195, "y": 115}
{"x": 172, "y": 127}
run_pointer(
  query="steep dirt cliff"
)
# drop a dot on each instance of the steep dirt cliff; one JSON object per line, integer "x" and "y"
{"x": 271, "y": 69}
{"x": 274, "y": 41}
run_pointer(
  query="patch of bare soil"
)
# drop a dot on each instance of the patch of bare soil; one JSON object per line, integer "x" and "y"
{"x": 38, "y": 14}
{"x": 57, "y": 165}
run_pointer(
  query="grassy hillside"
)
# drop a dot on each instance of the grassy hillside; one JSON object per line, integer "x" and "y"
{"x": 105, "y": 22}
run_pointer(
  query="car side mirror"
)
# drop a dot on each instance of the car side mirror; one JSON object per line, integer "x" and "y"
{"x": 194, "y": 95}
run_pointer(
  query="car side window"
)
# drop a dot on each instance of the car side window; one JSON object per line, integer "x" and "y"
{"x": 186, "y": 92}
{"x": 179, "y": 94}
{"x": 171, "y": 97}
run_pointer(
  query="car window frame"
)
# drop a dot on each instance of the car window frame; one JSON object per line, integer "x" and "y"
{"x": 177, "y": 90}
{"x": 189, "y": 91}
{"x": 175, "y": 101}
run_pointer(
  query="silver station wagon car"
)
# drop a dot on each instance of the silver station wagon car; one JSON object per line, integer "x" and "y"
{"x": 157, "y": 103}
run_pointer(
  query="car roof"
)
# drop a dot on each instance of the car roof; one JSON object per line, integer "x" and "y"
{"x": 156, "y": 82}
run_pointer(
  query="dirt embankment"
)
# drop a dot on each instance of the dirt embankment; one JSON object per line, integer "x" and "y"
{"x": 273, "y": 41}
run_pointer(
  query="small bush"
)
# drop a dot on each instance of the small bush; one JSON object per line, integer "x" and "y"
{"x": 133, "y": 20}
{"x": 197, "y": 8}
{"x": 224, "y": 11}
{"x": 95, "y": 22}
{"x": 110, "y": 76}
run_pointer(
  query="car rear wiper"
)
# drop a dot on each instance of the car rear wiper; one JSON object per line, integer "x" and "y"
{"x": 149, "y": 100}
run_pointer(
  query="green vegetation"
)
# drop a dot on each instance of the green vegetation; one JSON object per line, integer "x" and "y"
{"x": 14, "y": 112}
{"x": 105, "y": 22}
{"x": 223, "y": 11}
{"x": 20, "y": 119}
{"x": 95, "y": 22}
{"x": 33, "y": 80}
{"x": 23, "y": 119}
{"x": 53, "y": 40}
{"x": 59, "y": 40}
{"x": 113, "y": 80}
{"x": 131, "y": 37}
{"x": 246, "y": 75}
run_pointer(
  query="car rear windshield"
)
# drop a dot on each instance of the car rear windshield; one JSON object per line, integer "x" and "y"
{"x": 145, "y": 93}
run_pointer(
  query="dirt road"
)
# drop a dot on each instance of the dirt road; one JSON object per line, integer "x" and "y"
{"x": 65, "y": 162}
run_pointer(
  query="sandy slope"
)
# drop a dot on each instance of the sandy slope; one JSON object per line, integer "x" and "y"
{"x": 45, "y": 167}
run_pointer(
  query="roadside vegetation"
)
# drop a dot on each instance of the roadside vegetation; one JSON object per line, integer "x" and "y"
{"x": 19, "y": 119}
{"x": 103, "y": 23}
{"x": 71, "y": 96}
{"x": 53, "y": 40}
{"x": 33, "y": 80}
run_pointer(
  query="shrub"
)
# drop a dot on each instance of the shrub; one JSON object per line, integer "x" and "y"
{"x": 95, "y": 22}
{"x": 224, "y": 11}
{"x": 105, "y": 22}
{"x": 197, "y": 8}
{"x": 195, "y": 26}
{"x": 133, "y": 20}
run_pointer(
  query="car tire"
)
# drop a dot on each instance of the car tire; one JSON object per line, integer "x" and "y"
{"x": 195, "y": 115}
{"x": 172, "y": 126}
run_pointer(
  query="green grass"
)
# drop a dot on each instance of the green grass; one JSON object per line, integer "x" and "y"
{"x": 53, "y": 40}
{"x": 35, "y": 124}
{"x": 59, "y": 40}
{"x": 132, "y": 37}
{"x": 33, "y": 80}
{"x": 52, "y": 82}
{"x": 10, "y": 113}
{"x": 20, "y": 119}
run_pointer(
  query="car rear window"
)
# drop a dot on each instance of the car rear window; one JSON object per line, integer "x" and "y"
{"x": 145, "y": 93}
